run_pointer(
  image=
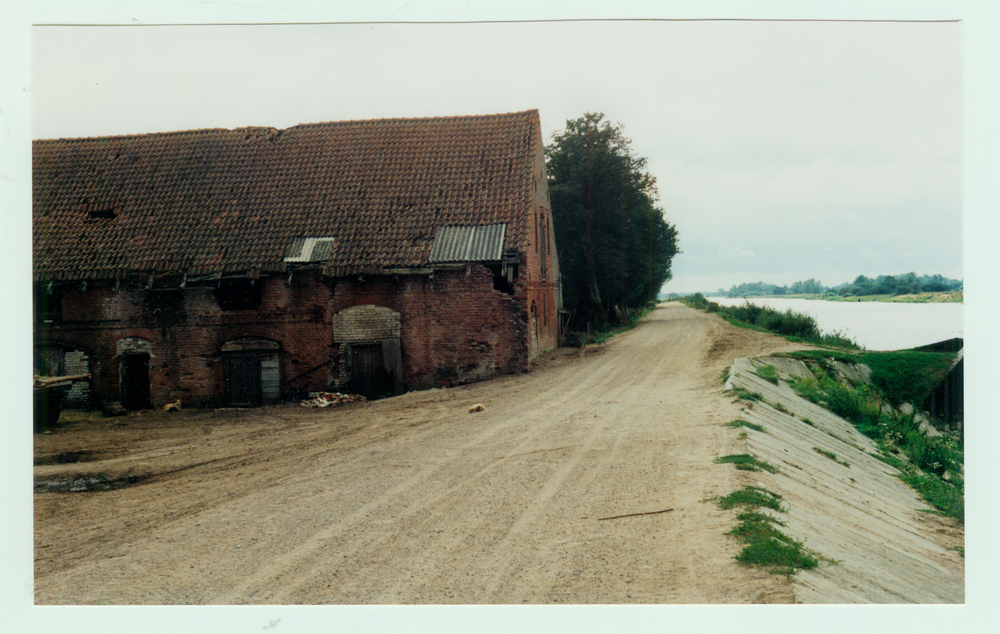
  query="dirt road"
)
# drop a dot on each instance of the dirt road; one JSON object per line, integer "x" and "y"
{"x": 415, "y": 500}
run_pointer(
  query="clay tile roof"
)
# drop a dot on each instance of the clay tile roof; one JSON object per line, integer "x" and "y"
{"x": 236, "y": 201}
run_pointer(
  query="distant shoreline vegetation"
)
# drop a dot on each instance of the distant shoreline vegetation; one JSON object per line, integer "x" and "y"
{"x": 908, "y": 287}
{"x": 791, "y": 325}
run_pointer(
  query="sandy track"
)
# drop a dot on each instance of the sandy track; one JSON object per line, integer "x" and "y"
{"x": 415, "y": 500}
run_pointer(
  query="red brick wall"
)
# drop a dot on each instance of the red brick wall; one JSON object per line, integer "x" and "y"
{"x": 454, "y": 329}
{"x": 541, "y": 286}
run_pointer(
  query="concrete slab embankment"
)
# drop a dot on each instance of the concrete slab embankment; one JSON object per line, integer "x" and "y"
{"x": 852, "y": 508}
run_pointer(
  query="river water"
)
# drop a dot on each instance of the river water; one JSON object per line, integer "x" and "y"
{"x": 873, "y": 325}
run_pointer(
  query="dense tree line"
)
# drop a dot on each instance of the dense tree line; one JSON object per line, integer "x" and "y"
{"x": 905, "y": 284}
{"x": 614, "y": 245}
{"x": 899, "y": 285}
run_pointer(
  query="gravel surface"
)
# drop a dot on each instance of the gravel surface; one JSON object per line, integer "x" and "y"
{"x": 415, "y": 499}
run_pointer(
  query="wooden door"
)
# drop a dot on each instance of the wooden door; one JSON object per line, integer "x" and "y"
{"x": 133, "y": 381}
{"x": 368, "y": 375}
{"x": 241, "y": 379}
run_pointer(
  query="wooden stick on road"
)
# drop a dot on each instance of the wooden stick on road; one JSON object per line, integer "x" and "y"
{"x": 614, "y": 517}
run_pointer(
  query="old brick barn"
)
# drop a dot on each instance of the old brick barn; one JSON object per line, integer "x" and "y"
{"x": 248, "y": 266}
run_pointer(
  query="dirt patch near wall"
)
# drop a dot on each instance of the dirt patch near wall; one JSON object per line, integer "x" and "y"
{"x": 414, "y": 499}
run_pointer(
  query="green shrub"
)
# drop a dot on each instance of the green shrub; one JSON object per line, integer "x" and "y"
{"x": 907, "y": 376}
{"x": 843, "y": 401}
{"x": 577, "y": 339}
{"x": 946, "y": 497}
{"x": 808, "y": 388}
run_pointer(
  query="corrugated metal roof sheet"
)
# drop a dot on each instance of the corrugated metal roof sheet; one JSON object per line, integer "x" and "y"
{"x": 468, "y": 244}
{"x": 309, "y": 250}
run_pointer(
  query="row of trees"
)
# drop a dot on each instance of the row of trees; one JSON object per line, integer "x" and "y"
{"x": 615, "y": 246}
{"x": 882, "y": 285}
{"x": 899, "y": 285}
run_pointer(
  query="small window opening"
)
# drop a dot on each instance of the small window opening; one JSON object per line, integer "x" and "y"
{"x": 501, "y": 282}
{"x": 544, "y": 250}
{"x": 238, "y": 295}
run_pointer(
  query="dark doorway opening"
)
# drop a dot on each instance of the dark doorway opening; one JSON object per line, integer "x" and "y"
{"x": 134, "y": 381}
{"x": 241, "y": 378}
{"x": 369, "y": 377}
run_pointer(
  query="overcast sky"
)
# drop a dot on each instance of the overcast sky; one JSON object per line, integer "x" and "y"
{"x": 782, "y": 150}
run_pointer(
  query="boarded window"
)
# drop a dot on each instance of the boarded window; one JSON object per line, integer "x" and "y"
{"x": 270, "y": 384}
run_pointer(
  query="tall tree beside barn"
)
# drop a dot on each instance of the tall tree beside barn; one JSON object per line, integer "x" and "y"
{"x": 615, "y": 247}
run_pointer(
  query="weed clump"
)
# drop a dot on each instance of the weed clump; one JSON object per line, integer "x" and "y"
{"x": 831, "y": 456}
{"x": 769, "y": 548}
{"x": 746, "y": 395}
{"x": 808, "y": 388}
{"x": 750, "y": 496}
{"x": 747, "y": 462}
{"x": 745, "y": 423}
{"x": 768, "y": 373}
{"x": 765, "y": 545}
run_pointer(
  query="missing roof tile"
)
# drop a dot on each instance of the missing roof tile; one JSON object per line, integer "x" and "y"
{"x": 106, "y": 213}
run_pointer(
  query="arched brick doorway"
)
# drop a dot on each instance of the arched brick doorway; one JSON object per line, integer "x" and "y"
{"x": 368, "y": 340}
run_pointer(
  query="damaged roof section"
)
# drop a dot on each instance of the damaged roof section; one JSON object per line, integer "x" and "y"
{"x": 227, "y": 202}
{"x": 468, "y": 244}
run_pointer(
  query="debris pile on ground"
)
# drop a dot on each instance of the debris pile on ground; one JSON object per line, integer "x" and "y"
{"x": 326, "y": 399}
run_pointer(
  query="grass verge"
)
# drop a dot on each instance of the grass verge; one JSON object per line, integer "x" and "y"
{"x": 791, "y": 325}
{"x": 577, "y": 339}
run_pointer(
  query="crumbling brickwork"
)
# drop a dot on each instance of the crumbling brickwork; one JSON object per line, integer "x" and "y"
{"x": 452, "y": 328}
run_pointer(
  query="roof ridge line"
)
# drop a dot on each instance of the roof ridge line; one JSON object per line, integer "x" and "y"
{"x": 140, "y": 135}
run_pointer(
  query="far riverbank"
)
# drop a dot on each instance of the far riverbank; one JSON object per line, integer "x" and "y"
{"x": 950, "y": 297}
